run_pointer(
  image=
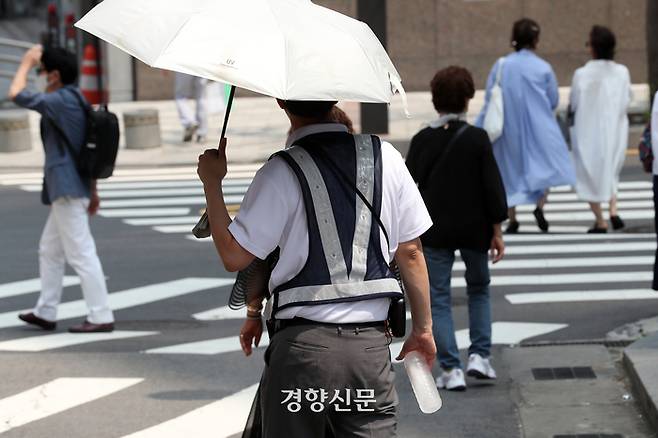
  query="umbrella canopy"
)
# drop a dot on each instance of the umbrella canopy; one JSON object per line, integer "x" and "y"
{"x": 288, "y": 49}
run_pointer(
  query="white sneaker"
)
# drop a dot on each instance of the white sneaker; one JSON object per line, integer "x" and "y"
{"x": 452, "y": 380}
{"x": 480, "y": 368}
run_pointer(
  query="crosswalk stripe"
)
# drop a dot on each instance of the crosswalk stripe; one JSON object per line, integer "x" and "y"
{"x": 143, "y": 178}
{"x": 152, "y": 221}
{"x": 513, "y": 238}
{"x": 623, "y": 185}
{"x": 224, "y": 312}
{"x": 228, "y": 344}
{"x": 29, "y": 286}
{"x": 61, "y": 340}
{"x": 580, "y": 278}
{"x": 219, "y": 419}
{"x": 131, "y": 297}
{"x": 589, "y": 295}
{"x": 153, "y": 202}
{"x": 145, "y": 193}
{"x": 502, "y": 333}
{"x": 584, "y": 216}
{"x": 174, "y": 229}
{"x": 567, "y": 262}
{"x": 578, "y": 248}
{"x": 147, "y": 171}
{"x": 110, "y": 185}
{"x": 144, "y": 212}
{"x": 565, "y": 197}
{"x": 576, "y": 206}
{"x": 56, "y": 396}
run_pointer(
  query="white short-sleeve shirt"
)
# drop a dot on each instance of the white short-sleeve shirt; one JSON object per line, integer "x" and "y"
{"x": 272, "y": 214}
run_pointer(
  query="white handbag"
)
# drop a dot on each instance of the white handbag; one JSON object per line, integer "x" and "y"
{"x": 494, "y": 118}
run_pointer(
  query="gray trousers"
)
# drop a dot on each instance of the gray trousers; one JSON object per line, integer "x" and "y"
{"x": 328, "y": 381}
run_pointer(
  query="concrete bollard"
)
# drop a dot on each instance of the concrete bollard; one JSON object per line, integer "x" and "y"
{"x": 15, "y": 133}
{"x": 142, "y": 129}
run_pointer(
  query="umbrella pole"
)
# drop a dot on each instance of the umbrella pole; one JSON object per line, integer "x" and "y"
{"x": 229, "y": 104}
{"x": 202, "y": 228}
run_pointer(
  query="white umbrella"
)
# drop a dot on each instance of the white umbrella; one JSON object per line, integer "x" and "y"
{"x": 288, "y": 49}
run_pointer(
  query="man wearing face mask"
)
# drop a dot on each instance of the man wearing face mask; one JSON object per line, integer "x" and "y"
{"x": 66, "y": 236}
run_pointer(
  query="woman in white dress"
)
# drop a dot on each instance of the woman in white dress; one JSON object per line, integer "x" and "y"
{"x": 600, "y": 95}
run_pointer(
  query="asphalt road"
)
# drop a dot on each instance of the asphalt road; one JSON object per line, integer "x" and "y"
{"x": 174, "y": 368}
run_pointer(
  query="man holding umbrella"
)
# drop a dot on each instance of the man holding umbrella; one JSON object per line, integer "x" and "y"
{"x": 339, "y": 207}
{"x": 328, "y": 363}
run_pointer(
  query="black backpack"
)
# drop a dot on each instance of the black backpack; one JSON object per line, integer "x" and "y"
{"x": 99, "y": 152}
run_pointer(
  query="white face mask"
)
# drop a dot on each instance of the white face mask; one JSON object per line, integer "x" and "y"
{"x": 41, "y": 83}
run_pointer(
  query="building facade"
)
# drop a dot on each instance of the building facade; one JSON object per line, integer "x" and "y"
{"x": 426, "y": 35}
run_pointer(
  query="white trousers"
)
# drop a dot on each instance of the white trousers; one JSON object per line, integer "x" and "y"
{"x": 67, "y": 238}
{"x": 196, "y": 89}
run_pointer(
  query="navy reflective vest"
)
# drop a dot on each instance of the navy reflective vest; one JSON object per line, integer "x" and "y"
{"x": 345, "y": 261}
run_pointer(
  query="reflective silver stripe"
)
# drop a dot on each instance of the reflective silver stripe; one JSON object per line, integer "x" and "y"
{"x": 365, "y": 181}
{"x": 333, "y": 253}
{"x": 337, "y": 291}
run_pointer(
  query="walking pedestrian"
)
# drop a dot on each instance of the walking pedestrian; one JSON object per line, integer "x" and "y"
{"x": 600, "y": 96}
{"x": 192, "y": 87}
{"x": 531, "y": 153}
{"x": 654, "y": 148}
{"x": 66, "y": 236}
{"x": 340, "y": 208}
{"x": 453, "y": 164}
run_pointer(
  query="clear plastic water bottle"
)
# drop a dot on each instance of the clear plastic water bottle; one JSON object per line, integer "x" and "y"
{"x": 422, "y": 382}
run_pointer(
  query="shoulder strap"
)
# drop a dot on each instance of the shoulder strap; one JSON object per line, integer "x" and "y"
{"x": 499, "y": 73}
{"x": 348, "y": 183}
{"x": 83, "y": 103}
{"x": 428, "y": 177}
{"x": 62, "y": 135}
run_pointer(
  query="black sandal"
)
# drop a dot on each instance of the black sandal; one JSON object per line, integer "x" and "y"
{"x": 542, "y": 223}
{"x": 597, "y": 230}
{"x": 512, "y": 227}
{"x": 617, "y": 223}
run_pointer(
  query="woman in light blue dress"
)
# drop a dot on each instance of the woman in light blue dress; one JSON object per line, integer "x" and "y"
{"x": 531, "y": 153}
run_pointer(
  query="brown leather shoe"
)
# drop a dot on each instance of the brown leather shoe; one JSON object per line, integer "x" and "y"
{"x": 31, "y": 318}
{"x": 90, "y": 327}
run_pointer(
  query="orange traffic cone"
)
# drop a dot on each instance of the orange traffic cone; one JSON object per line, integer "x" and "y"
{"x": 89, "y": 77}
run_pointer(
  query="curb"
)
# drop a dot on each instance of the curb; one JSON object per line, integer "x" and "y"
{"x": 639, "y": 360}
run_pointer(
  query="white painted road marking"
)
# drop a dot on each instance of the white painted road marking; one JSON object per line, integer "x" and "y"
{"x": 224, "y": 312}
{"x": 154, "y": 202}
{"x": 579, "y": 278}
{"x": 228, "y": 344}
{"x": 61, "y": 340}
{"x": 144, "y": 212}
{"x": 54, "y": 397}
{"x": 579, "y": 248}
{"x": 29, "y": 286}
{"x": 582, "y": 295}
{"x": 219, "y": 419}
{"x": 576, "y": 206}
{"x": 513, "y": 238}
{"x": 582, "y": 216}
{"x": 151, "y": 221}
{"x": 502, "y": 333}
{"x": 567, "y": 262}
{"x": 131, "y": 297}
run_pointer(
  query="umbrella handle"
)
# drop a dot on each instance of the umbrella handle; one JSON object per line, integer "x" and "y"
{"x": 202, "y": 228}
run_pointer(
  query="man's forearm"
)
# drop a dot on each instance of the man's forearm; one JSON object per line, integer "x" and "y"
{"x": 20, "y": 80}
{"x": 416, "y": 281}
{"x": 219, "y": 220}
